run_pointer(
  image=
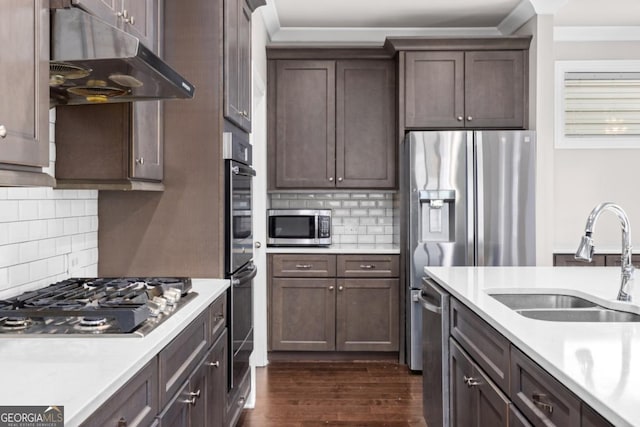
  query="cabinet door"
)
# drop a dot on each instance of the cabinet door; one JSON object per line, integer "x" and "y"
{"x": 142, "y": 19}
{"x": 146, "y": 160}
{"x": 106, "y": 10}
{"x": 197, "y": 395}
{"x": 365, "y": 124}
{"x": 134, "y": 404}
{"x": 434, "y": 89}
{"x": 475, "y": 400}
{"x": 495, "y": 92}
{"x": 24, "y": 71}
{"x": 216, "y": 363}
{"x": 303, "y": 314}
{"x": 367, "y": 315}
{"x": 304, "y": 123}
{"x": 176, "y": 413}
{"x": 237, "y": 63}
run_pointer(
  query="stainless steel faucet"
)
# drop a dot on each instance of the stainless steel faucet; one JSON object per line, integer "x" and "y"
{"x": 585, "y": 249}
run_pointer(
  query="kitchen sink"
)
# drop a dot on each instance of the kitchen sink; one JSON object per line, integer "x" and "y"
{"x": 599, "y": 314}
{"x": 525, "y": 301}
{"x": 562, "y": 308}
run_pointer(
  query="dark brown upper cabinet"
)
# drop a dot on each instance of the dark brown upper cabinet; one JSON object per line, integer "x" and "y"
{"x": 24, "y": 114}
{"x": 332, "y": 123}
{"x": 114, "y": 146}
{"x": 136, "y": 17}
{"x": 237, "y": 63}
{"x": 477, "y": 89}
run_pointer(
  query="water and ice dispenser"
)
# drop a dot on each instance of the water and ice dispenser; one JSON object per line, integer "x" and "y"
{"x": 437, "y": 215}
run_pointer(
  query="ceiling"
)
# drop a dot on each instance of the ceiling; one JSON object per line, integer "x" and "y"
{"x": 447, "y": 13}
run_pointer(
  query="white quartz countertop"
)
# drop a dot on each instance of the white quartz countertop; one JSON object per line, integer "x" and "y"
{"x": 81, "y": 373}
{"x": 599, "y": 362}
{"x": 339, "y": 249}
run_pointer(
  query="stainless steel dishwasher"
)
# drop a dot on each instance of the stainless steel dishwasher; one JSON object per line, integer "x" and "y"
{"x": 435, "y": 353}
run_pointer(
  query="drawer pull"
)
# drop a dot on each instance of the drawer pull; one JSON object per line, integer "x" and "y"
{"x": 331, "y": 288}
{"x": 470, "y": 381}
{"x": 303, "y": 266}
{"x": 195, "y": 394}
{"x": 191, "y": 401}
{"x": 538, "y": 400}
{"x": 215, "y": 364}
{"x": 367, "y": 266}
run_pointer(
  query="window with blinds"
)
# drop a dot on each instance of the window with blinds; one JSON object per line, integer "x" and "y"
{"x": 598, "y": 109}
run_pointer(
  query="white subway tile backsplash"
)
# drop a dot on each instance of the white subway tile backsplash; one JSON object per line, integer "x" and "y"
{"x": 78, "y": 208}
{"x": 359, "y": 218}
{"x": 46, "y": 248}
{"x": 63, "y": 245}
{"x": 63, "y": 208}
{"x": 46, "y": 209}
{"x": 3, "y": 193}
{"x": 28, "y": 251}
{"x": 4, "y": 233}
{"x": 38, "y": 270}
{"x": 18, "y": 232}
{"x": 71, "y": 226}
{"x": 4, "y": 278}
{"x": 37, "y": 229}
{"x": 19, "y": 274}
{"x": 9, "y": 255}
{"x": 18, "y": 193}
{"x": 9, "y": 211}
{"x": 91, "y": 207}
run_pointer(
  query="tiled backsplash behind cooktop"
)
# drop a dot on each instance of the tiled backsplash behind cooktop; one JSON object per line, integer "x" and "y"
{"x": 357, "y": 217}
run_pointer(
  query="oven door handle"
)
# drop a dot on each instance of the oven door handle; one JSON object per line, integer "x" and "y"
{"x": 240, "y": 169}
{"x": 245, "y": 277}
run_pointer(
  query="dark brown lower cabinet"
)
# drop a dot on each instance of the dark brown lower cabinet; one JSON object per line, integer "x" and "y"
{"x": 176, "y": 414}
{"x": 476, "y": 400}
{"x": 215, "y": 365}
{"x": 356, "y": 311}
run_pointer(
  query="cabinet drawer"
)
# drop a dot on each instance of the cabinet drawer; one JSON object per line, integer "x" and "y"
{"x": 217, "y": 317}
{"x": 179, "y": 358}
{"x": 487, "y": 347}
{"x": 135, "y": 404}
{"x": 368, "y": 266}
{"x": 591, "y": 418}
{"x": 541, "y": 398}
{"x": 299, "y": 265}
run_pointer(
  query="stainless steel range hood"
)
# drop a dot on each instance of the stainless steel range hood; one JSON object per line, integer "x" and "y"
{"x": 94, "y": 62}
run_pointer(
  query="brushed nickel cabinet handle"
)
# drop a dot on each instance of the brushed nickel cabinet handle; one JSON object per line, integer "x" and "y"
{"x": 140, "y": 160}
{"x": 331, "y": 288}
{"x": 367, "y": 266}
{"x": 330, "y": 179}
{"x": 303, "y": 266}
{"x": 195, "y": 394}
{"x": 469, "y": 118}
{"x": 3, "y": 131}
{"x": 460, "y": 118}
{"x": 215, "y": 364}
{"x": 340, "y": 179}
{"x": 470, "y": 381}
{"x": 538, "y": 400}
{"x": 340, "y": 288}
{"x": 191, "y": 401}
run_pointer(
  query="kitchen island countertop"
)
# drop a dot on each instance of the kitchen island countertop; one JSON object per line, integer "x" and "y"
{"x": 596, "y": 361}
{"x": 81, "y": 373}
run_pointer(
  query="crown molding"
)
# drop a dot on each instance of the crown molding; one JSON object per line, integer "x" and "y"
{"x": 547, "y": 7}
{"x": 590, "y": 34}
{"x": 519, "y": 16}
{"x": 368, "y": 36}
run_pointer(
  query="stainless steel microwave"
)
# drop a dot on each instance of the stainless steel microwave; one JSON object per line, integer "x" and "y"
{"x": 299, "y": 227}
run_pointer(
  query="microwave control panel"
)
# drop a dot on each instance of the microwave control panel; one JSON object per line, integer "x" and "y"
{"x": 324, "y": 227}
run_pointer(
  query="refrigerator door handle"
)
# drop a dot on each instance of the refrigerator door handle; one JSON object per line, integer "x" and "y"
{"x": 479, "y": 199}
{"x": 471, "y": 190}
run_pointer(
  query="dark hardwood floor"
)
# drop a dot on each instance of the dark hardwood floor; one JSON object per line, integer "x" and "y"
{"x": 310, "y": 394}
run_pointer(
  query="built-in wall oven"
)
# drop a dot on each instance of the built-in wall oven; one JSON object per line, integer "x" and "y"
{"x": 239, "y": 267}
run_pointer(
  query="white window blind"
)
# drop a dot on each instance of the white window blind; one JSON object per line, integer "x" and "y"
{"x": 598, "y": 104}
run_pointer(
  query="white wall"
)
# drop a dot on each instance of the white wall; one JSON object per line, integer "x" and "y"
{"x": 46, "y": 235}
{"x": 586, "y": 177}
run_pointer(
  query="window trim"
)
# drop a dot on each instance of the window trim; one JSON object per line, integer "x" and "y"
{"x": 590, "y": 142}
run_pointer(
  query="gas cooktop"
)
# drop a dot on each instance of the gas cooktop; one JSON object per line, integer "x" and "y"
{"x": 130, "y": 306}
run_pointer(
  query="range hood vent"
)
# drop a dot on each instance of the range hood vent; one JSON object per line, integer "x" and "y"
{"x": 94, "y": 62}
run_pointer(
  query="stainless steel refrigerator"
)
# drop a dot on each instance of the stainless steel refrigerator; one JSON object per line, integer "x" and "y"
{"x": 470, "y": 200}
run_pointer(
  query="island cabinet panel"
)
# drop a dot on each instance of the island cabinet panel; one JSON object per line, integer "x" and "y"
{"x": 304, "y": 125}
{"x": 569, "y": 260}
{"x": 476, "y": 400}
{"x": 216, "y": 382}
{"x": 466, "y": 89}
{"x": 487, "y": 347}
{"x": 541, "y": 397}
{"x": 135, "y": 404}
{"x": 516, "y": 419}
{"x": 316, "y": 307}
{"x": 176, "y": 413}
